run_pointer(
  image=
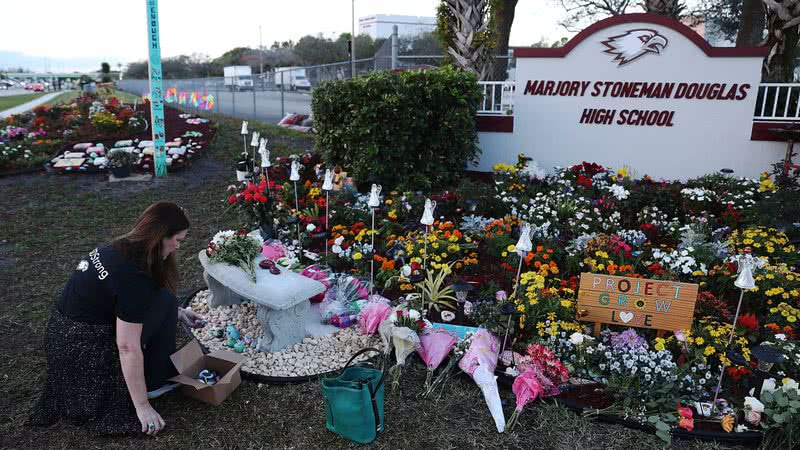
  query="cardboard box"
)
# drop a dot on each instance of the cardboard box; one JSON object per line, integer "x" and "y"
{"x": 190, "y": 360}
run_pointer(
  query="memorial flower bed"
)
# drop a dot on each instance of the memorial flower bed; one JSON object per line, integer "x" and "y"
{"x": 78, "y": 135}
{"x": 509, "y": 271}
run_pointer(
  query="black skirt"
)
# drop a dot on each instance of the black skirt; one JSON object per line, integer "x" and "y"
{"x": 84, "y": 379}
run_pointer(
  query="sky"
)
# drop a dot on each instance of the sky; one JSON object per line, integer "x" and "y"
{"x": 60, "y": 35}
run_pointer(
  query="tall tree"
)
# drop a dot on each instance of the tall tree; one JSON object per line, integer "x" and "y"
{"x": 751, "y": 27}
{"x": 503, "y": 13}
{"x": 671, "y": 8}
{"x": 464, "y": 26}
{"x": 783, "y": 17}
{"x": 580, "y": 13}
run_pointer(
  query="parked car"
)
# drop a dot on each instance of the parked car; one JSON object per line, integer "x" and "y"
{"x": 37, "y": 88}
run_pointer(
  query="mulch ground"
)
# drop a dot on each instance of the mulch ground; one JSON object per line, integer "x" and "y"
{"x": 50, "y": 222}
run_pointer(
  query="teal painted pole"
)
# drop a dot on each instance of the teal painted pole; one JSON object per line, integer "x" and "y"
{"x": 156, "y": 89}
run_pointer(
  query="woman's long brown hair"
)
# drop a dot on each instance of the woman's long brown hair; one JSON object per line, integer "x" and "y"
{"x": 143, "y": 244}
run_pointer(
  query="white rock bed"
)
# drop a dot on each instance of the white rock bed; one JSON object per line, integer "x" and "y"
{"x": 315, "y": 355}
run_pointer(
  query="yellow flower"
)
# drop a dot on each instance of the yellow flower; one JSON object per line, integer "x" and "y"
{"x": 709, "y": 351}
{"x": 792, "y": 319}
{"x": 511, "y": 248}
{"x": 504, "y": 254}
{"x": 700, "y": 341}
{"x": 357, "y": 256}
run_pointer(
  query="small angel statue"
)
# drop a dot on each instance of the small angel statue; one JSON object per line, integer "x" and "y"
{"x": 327, "y": 185}
{"x": 374, "y": 196}
{"x": 427, "y": 215}
{"x": 746, "y": 264}
{"x": 295, "y": 175}
{"x": 254, "y": 140}
{"x": 524, "y": 245}
{"x": 262, "y": 150}
{"x": 244, "y": 127}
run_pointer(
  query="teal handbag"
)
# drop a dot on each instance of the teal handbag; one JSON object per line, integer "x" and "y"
{"x": 354, "y": 401}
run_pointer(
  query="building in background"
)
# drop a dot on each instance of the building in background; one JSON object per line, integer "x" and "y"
{"x": 380, "y": 25}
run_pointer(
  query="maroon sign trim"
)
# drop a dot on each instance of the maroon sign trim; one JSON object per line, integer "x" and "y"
{"x": 495, "y": 124}
{"x": 710, "y": 51}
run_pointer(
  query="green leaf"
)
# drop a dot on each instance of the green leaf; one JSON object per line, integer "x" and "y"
{"x": 662, "y": 426}
{"x": 778, "y": 418}
{"x": 664, "y": 436}
{"x": 782, "y": 400}
{"x": 653, "y": 419}
{"x": 767, "y": 397}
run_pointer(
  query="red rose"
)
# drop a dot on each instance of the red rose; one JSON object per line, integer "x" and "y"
{"x": 262, "y": 199}
{"x": 399, "y": 313}
{"x": 232, "y": 199}
{"x": 749, "y": 321}
{"x": 421, "y": 324}
{"x": 248, "y": 196}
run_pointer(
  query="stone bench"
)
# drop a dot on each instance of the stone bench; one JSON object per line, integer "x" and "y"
{"x": 282, "y": 299}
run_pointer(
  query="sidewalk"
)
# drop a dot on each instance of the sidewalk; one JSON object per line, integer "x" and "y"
{"x": 30, "y": 105}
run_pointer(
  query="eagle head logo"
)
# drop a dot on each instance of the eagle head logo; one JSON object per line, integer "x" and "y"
{"x": 633, "y": 44}
{"x": 83, "y": 265}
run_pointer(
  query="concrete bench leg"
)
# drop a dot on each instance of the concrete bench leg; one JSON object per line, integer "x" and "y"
{"x": 220, "y": 295}
{"x": 282, "y": 328}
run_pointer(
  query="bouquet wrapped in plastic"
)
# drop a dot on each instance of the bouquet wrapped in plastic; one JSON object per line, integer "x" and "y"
{"x": 479, "y": 363}
{"x": 373, "y": 313}
{"x": 320, "y": 274}
{"x": 343, "y": 300}
{"x": 435, "y": 345}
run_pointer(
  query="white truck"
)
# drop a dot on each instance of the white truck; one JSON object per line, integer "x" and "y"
{"x": 238, "y": 78}
{"x": 294, "y": 77}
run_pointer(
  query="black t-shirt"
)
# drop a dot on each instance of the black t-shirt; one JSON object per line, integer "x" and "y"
{"x": 105, "y": 286}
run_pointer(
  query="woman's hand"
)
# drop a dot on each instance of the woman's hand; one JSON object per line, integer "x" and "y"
{"x": 151, "y": 421}
{"x": 191, "y": 318}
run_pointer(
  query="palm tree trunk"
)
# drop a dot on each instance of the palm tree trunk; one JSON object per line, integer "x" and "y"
{"x": 753, "y": 22}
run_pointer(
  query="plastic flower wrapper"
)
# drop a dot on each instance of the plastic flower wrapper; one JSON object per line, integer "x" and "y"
{"x": 435, "y": 345}
{"x": 342, "y": 295}
{"x": 527, "y": 388}
{"x": 479, "y": 362}
{"x": 405, "y": 342}
{"x": 322, "y": 275}
{"x": 375, "y": 312}
{"x": 487, "y": 381}
{"x": 273, "y": 250}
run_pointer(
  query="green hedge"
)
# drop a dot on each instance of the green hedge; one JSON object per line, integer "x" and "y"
{"x": 410, "y": 130}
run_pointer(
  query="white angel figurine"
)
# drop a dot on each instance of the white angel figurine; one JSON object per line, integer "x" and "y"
{"x": 295, "y": 175}
{"x": 374, "y": 196}
{"x": 427, "y": 215}
{"x": 327, "y": 185}
{"x": 746, "y": 265}
{"x": 524, "y": 245}
{"x": 262, "y": 150}
{"x": 244, "y": 127}
{"x": 254, "y": 140}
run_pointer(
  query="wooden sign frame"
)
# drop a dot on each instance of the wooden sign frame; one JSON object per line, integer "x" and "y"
{"x": 636, "y": 302}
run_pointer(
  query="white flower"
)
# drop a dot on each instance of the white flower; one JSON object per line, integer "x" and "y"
{"x": 768, "y": 386}
{"x": 413, "y": 314}
{"x": 741, "y": 428}
{"x": 753, "y": 404}
{"x": 406, "y": 271}
{"x": 577, "y": 338}
{"x": 780, "y": 337}
{"x": 310, "y": 227}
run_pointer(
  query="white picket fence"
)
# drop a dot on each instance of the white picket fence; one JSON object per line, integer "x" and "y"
{"x": 498, "y": 98}
{"x": 778, "y": 102}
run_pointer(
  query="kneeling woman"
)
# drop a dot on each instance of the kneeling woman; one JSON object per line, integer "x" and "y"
{"x": 109, "y": 337}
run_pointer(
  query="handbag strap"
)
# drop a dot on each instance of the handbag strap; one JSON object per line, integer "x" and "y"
{"x": 372, "y": 392}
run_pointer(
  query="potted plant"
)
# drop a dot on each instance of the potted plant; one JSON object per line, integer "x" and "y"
{"x": 120, "y": 162}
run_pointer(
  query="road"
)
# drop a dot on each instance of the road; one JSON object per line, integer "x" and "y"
{"x": 30, "y": 105}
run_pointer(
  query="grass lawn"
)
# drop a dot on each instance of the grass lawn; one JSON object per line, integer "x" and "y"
{"x": 63, "y": 97}
{"x": 50, "y": 222}
{"x": 16, "y": 100}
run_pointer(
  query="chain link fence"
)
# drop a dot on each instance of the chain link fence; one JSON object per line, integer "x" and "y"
{"x": 274, "y": 94}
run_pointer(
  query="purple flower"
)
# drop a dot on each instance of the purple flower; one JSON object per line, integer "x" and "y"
{"x": 628, "y": 340}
